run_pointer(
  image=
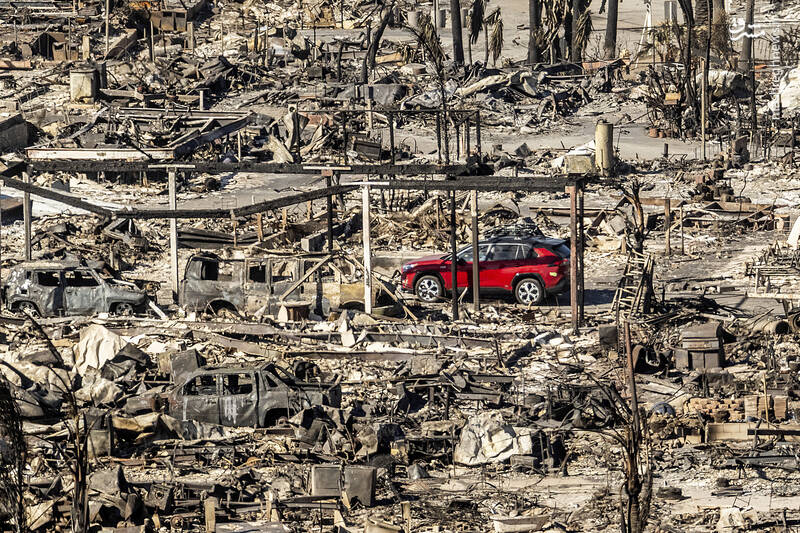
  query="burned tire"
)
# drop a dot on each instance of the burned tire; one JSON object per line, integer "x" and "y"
{"x": 529, "y": 291}
{"x": 223, "y": 310}
{"x": 28, "y": 309}
{"x": 428, "y": 288}
{"x": 123, "y": 309}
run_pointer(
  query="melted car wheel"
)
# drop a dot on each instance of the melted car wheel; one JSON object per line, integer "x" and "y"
{"x": 123, "y": 309}
{"x": 29, "y": 309}
{"x": 529, "y": 291}
{"x": 429, "y": 288}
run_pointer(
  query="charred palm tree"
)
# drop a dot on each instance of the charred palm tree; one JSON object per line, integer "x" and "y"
{"x": 495, "y": 20}
{"x": 455, "y": 21}
{"x": 610, "y": 43}
{"x": 428, "y": 39}
{"x": 534, "y": 29}
{"x": 479, "y": 21}
{"x": 368, "y": 64}
{"x": 79, "y": 435}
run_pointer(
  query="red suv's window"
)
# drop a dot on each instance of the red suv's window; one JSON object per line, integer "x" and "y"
{"x": 466, "y": 255}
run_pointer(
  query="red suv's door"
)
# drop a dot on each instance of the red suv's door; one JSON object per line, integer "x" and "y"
{"x": 502, "y": 265}
{"x": 464, "y": 267}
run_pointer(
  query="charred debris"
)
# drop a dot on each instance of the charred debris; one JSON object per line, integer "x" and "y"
{"x": 230, "y": 236}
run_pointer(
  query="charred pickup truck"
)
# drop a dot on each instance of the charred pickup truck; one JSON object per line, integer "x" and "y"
{"x": 54, "y": 288}
{"x": 254, "y": 397}
{"x": 245, "y": 286}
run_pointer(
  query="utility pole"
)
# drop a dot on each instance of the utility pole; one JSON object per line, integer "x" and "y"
{"x": 455, "y": 23}
{"x": 534, "y": 23}
{"x": 611, "y": 29}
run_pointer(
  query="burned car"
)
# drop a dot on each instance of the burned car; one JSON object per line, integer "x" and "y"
{"x": 263, "y": 284}
{"x": 240, "y": 396}
{"x": 54, "y": 288}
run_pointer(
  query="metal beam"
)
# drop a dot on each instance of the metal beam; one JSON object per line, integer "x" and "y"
{"x": 247, "y": 210}
{"x": 213, "y": 167}
{"x": 97, "y": 155}
{"x": 482, "y": 183}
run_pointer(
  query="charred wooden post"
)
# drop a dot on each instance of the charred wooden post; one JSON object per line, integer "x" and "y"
{"x": 365, "y": 222}
{"x": 27, "y": 207}
{"x": 573, "y": 255}
{"x": 476, "y": 276}
{"x": 391, "y": 137}
{"x": 173, "y": 236}
{"x": 581, "y": 246}
{"x": 478, "y": 132}
{"x": 454, "y": 255}
{"x": 667, "y": 224}
{"x": 329, "y": 208}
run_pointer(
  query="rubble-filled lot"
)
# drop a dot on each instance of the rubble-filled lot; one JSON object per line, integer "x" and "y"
{"x": 240, "y": 245}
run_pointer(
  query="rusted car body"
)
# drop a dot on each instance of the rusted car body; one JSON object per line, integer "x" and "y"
{"x": 54, "y": 288}
{"x": 255, "y": 397}
{"x": 247, "y": 286}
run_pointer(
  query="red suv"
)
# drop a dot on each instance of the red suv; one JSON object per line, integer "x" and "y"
{"x": 528, "y": 267}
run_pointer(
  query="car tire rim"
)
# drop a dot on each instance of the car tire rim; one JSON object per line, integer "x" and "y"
{"x": 428, "y": 290}
{"x": 124, "y": 309}
{"x": 28, "y": 309}
{"x": 528, "y": 292}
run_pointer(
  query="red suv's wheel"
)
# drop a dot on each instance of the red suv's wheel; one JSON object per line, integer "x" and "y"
{"x": 428, "y": 288}
{"x": 529, "y": 291}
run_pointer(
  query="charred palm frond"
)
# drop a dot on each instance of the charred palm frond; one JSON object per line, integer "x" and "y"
{"x": 12, "y": 454}
{"x": 584, "y": 29}
{"x": 476, "y": 20}
{"x": 429, "y": 40}
{"x": 496, "y": 39}
{"x": 553, "y": 15}
{"x": 660, "y": 39}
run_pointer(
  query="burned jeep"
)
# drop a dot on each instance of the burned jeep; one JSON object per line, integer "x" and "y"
{"x": 241, "y": 396}
{"x": 54, "y": 288}
{"x": 263, "y": 284}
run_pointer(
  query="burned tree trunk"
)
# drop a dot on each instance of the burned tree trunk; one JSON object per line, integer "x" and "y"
{"x": 747, "y": 43}
{"x": 368, "y": 64}
{"x": 610, "y": 44}
{"x": 533, "y": 31}
{"x": 690, "y": 96}
{"x": 458, "y": 44}
{"x": 575, "y": 55}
